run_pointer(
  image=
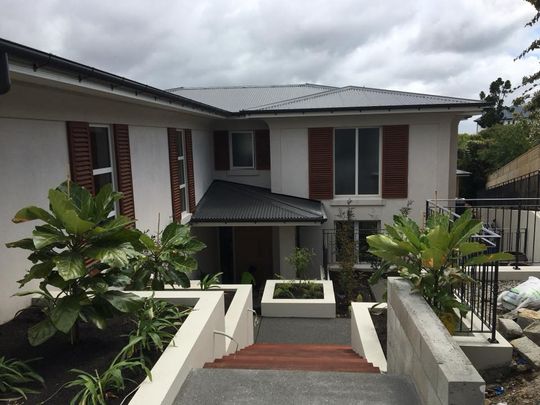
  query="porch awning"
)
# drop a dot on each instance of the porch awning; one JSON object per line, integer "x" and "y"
{"x": 229, "y": 203}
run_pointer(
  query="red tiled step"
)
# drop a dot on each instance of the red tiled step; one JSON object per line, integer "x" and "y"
{"x": 296, "y": 357}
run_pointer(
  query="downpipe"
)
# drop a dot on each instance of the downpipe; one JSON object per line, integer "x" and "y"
{"x": 5, "y": 80}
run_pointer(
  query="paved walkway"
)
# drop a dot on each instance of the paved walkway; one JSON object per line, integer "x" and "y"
{"x": 304, "y": 330}
{"x": 269, "y": 387}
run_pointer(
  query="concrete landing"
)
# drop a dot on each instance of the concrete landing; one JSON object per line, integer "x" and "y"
{"x": 262, "y": 387}
{"x": 335, "y": 331}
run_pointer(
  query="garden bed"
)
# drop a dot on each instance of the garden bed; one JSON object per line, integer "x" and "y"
{"x": 379, "y": 317}
{"x": 307, "y": 290}
{"x": 95, "y": 351}
{"x": 360, "y": 288}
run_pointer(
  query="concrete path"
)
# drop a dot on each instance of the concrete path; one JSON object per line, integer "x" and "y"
{"x": 269, "y": 387}
{"x": 304, "y": 330}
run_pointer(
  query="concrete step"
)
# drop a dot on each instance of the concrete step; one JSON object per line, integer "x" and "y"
{"x": 262, "y": 387}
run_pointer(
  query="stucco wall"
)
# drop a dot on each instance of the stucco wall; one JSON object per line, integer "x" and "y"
{"x": 432, "y": 160}
{"x": 33, "y": 158}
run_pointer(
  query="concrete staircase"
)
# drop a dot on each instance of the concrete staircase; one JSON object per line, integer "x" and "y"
{"x": 306, "y": 357}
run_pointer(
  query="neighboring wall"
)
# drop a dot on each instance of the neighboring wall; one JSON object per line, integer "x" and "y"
{"x": 34, "y": 158}
{"x": 522, "y": 165}
{"x": 432, "y": 161}
{"x": 420, "y": 347}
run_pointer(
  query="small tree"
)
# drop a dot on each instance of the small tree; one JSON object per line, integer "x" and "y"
{"x": 300, "y": 259}
{"x": 79, "y": 251}
{"x": 346, "y": 250}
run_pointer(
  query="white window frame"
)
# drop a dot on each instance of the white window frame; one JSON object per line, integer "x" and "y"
{"x": 356, "y": 195}
{"x": 111, "y": 169}
{"x": 231, "y": 152}
{"x": 182, "y": 162}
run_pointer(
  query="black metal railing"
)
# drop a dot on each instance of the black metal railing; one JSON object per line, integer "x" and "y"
{"x": 331, "y": 248}
{"x": 526, "y": 186}
{"x": 509, "y": 225}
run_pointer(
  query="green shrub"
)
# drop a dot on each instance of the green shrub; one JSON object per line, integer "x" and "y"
{"x": 15, "y": 376}
{"x": 80, "y": 251}
{"x": 300, "y": 259}
{"x": 167, "y": 259}
{"x": 209, "y": 281}
{"x": 430, "y": 258}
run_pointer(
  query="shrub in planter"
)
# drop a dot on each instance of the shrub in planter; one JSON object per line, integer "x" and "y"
{"x": 300, "y": 259}
{"x": 80, "y": 250}
{"x": 301, "y": 290}
{"x": 167, "y": 259}
{"x": 433, "y": 258}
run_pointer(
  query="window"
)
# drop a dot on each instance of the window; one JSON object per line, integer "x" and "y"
{"x": 180, "y": 142}
{"x": 356, "y": 161}
{"x": 102, "y": 158}
{"x": 242, "y": 150}
{"x": 359, "y": 231}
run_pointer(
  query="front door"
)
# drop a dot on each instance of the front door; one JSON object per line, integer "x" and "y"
{"x": 253, "y": 252}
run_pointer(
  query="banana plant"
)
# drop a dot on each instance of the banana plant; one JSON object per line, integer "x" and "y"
{"x": 79, "y": 249}
{"x": 167, "y": 259}
{"x": 434, "y": 258}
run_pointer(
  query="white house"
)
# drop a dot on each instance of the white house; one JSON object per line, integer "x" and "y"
{"x": 256, "y": 170}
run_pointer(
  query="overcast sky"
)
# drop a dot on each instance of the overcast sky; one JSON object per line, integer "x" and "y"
{"x": 453, "y": 47}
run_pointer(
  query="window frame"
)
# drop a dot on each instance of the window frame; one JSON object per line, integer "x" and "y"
{"x": 379, "y": 186}
{"x": 181, "y": 137}
{"x": 111, "y": 169}
{"x": 231, "y": 151}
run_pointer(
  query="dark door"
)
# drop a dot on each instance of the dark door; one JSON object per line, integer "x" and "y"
{"x": 253, "y": 252}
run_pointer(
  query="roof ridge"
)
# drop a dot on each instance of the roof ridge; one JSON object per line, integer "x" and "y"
{"x": 411, "y": 93}
{"x": 300, "y": 98}
{"x": 251, "y": 86}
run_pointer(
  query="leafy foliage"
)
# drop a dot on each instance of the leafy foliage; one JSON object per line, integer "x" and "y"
{"x": 498, "y": 90}
{"x": 15, "y": 376}
{"x": 97, "y": 388}
{"x": 210, "y": 281}
{"x": 431, "y": 258}
{"x": 346, "y": 250}
{"x": 247, "y": 278}
{"x": 491, "y": 149}
{"x": 167, "y": 259}
{"x": 300, "y": 259}
{"x": 79, "y": 251}
{"x": 302, "y": 290}
{"x": 155, "y": 325}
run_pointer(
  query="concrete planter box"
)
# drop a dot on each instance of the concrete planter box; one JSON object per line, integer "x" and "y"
{"x": 298, "y": 308}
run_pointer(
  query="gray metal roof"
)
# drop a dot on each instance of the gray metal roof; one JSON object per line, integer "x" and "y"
{"x": 362, "y": 97}
{"x": 226, "y": 202}
{"x": 236, "y": 98}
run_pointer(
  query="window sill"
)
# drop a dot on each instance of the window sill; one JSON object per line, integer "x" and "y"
{"x": 243, "y": 172}
{"x": 186, "y": 217}
{"x": 357, "y": 202}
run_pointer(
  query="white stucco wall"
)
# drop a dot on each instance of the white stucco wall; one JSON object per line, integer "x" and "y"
{"x": 203, "y": 161}
{"x": 33, "y": 158}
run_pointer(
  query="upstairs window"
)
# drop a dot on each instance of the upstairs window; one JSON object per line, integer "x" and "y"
{"x": 180, "y": 142}
{"x": 242, "y": 150}
{"x": 357, "y": 161}
{"x": 102, "y": 158}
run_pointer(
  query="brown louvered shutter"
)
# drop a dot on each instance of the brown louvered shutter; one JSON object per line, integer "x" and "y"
{"x": 189, "y": 170}
{"x": 80, "y": 154}
{"x": 175, "y": 176}
{"x": 123, "y": 169}
{"x": 321, "y": 174}
{"x": 221, "y": 150}
{"x": 395, "y": 161}
{"x": 262, "y": 149}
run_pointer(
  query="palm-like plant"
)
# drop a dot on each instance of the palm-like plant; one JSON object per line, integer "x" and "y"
{"x": 79, "y": 250}
{"x": 167, "y": 259}
{"x": 433, "y": 258}
{"x": 15, "y": 376}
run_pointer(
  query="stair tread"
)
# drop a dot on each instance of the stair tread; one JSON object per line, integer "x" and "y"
{"x": 296, "y": 366}
{"x": 278, "y": 360}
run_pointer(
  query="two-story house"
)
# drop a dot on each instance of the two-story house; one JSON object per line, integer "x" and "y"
{"x": 256, "y": 170}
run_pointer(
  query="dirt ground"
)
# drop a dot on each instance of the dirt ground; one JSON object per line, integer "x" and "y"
{"x": 520, "y": 388}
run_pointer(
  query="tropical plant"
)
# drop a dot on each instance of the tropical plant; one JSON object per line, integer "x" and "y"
{"x": 247, "y": 278}
{"x": 97, "y": 387}
{"x": 155, "y": 325}
{"x": 167, "y": 259}
{"x": 79, "y": 251}
{"x": 433, "y": 258}
{"x": 300, "y": 259}
{"x": 15, "y": 376}
{"x": 210, "y": 281}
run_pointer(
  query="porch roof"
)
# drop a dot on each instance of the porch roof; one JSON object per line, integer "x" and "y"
{"x": 227, "y": 202}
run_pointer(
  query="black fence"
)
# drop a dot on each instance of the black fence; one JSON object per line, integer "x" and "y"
{"x": 331, "y": 246}
{"x": 527, "y": 186}
{"x": 509, "y": 226}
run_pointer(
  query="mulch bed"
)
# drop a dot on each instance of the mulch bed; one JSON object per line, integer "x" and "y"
{"x": 96, "y": 349}
{"x": 361, "y": 291}
{"x": 379, "y": 316}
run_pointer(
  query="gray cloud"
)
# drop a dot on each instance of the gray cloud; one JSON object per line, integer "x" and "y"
{"x": 451, "y": 47}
